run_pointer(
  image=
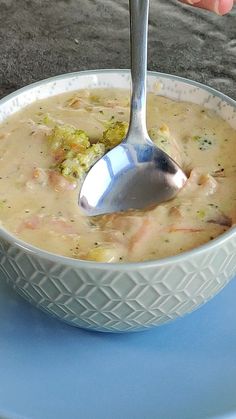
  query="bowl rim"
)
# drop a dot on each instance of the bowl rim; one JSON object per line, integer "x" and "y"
{"x": 126, "y": 266}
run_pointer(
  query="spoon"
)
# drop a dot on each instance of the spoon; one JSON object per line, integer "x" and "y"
{"x": 136, "y": 174}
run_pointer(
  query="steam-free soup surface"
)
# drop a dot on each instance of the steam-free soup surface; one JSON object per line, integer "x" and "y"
{"x": 46, "y": 149}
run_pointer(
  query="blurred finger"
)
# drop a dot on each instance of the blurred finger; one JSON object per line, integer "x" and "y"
{"x": 220, "y": 7}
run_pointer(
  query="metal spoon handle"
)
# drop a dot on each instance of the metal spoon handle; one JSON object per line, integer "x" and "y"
{"x": 138, "y": 43}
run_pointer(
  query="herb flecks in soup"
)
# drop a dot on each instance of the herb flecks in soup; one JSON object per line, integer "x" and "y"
{"x": 47, "y": 148}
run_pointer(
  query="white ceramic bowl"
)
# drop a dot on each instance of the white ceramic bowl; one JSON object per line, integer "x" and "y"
{"x": 118, "y": 297}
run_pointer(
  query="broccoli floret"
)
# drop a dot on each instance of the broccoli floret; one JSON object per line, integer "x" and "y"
{"x": 68, "y": 138}
{"x": 96, "y": 99}
{"x": 114, "y": 134}
{"x": 203, "y": 142}
{"x": 76, "y": 153}
{"x": 161, "y": 137}
{"x": 73, "y": 151}
{"x": 201, "y": 214}
{"x": 2, "y": 204}
{"x": 76, "y": 166}
{"x": 47, "y": 120}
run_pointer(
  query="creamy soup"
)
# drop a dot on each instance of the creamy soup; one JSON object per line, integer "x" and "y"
{"x": 46, "y": 149}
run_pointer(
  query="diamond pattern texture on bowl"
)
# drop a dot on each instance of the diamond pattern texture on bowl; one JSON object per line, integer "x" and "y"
{"x": 114, "y": 300}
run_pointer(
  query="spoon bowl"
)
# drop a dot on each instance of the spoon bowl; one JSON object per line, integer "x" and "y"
{"x": 135, "y": 174}
{"x": 129, "y": 176}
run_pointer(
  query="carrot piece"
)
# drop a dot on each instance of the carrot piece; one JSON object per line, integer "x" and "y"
{"x": 59, "y": 183}
{"x": 139, "y": 235}
{"x": 187, "y": 230}
{"x": 32, "y": 223}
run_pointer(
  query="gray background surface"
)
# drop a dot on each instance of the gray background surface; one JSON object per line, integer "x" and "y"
{"x": 41, "y": 38}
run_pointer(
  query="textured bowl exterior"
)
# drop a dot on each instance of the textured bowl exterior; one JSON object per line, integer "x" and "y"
{"x": 114, "y": 299}
{"x": 118, "y": 297}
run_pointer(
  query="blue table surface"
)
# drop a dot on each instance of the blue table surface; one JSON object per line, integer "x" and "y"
{"x": 183, "y": 370}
